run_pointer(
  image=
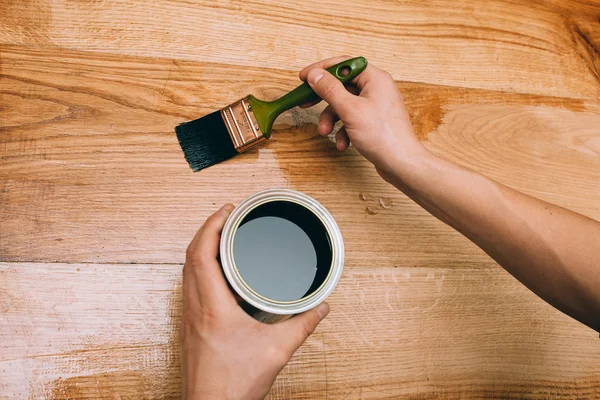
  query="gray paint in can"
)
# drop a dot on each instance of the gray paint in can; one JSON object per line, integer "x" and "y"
{"x": 282, "y": 253}
{"x": 275, "y": 257}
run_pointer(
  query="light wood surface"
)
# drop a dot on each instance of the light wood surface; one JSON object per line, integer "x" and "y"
{"x": 467, "y": 331}
{"x": 97, "y": 204}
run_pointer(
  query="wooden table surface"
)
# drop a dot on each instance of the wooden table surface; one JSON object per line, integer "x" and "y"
{"x": 97, "y": 204}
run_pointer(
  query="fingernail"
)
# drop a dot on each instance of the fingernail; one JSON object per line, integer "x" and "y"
{"x": 322, "y": 310}
{"x": 314, "y": 76}
{"x": 228, "y": 207}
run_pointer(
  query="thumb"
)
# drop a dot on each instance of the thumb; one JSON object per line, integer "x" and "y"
{"x": 296, "y": 330}
{"x": 330, "y": 89}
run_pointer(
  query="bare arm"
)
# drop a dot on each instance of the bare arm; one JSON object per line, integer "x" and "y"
{"x": 553, "y": 251}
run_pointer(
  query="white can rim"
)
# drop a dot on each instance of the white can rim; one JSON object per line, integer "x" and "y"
{"x": 235, "y": 279}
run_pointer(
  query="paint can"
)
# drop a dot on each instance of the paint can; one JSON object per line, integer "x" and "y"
{"x": 282, "y": 253}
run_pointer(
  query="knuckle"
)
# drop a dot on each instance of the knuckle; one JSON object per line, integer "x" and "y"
{"x": 191, "y": 254}
{"x": 275, "y": 354}
{"x": 215, "y": 220}
{"x": 195, "y": 258}
{"x": 388, "y": 76}
{"x": 306, "y": 329}
{"x": 211, "y": 222}
{"x": 328, "y": 87}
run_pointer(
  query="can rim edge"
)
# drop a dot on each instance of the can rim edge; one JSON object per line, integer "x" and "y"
{"x": 262, "y": 303}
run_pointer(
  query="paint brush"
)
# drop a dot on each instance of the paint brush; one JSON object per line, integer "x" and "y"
{"x": 246, "y": 123}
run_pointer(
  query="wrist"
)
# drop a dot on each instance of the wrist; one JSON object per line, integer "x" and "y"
{"x": 406, "y": 168}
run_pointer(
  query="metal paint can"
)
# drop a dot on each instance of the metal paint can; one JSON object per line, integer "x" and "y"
{"x": 323, "y": 232}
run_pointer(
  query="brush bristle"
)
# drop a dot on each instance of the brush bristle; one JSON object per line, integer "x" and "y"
{"x": 205, "y": 141}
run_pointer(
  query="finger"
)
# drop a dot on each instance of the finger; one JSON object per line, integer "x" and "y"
{"x": 371, "y": 76}
{"x": 330, "y": 89}
{"x": 296, "y": 330}
{"x": 201, "y": 261}
{"x": 194, "y": 247}
{"x": 323, "y": 64}
{"x": 310, "y": 103}
{"x": 327, "y": 119}
{"x": 352, "y": 89}
{"x": 342, "y": 141}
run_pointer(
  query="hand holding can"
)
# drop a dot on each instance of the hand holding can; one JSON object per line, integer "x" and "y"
{"x": 282, "y": 253}
{"x": 226, "y": 354}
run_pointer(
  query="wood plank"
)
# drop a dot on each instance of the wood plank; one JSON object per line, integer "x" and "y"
{"x": 91, "y": 170}
{"x": 541, "y": 47}
{"x": 104, "y": 331}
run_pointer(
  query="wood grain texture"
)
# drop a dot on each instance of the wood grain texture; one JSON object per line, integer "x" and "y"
{"x": 97, "y": 204}
{"x": 471, "y": 331}
{"x": 88, "y": 144}
{"x": 543, "y": 47}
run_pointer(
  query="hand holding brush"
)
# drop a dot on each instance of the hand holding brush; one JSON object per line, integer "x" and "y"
{"x": 246, "y": 123}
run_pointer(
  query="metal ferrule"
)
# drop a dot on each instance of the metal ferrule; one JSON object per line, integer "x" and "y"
{"x": 242, "y": 125}
{"x": 262, "y": 308}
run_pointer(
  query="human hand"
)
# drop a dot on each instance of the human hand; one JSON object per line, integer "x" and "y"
{"x": 373, "y": 113}
{"x": 226, "y": 354}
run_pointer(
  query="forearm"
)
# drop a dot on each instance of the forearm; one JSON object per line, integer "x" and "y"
{"x": 553, "y": 251}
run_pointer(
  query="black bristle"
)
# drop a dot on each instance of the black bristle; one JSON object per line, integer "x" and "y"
{"x": 205, "y": 141}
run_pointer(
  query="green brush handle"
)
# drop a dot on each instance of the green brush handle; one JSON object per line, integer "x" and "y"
{"x": 267, "y": 111}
